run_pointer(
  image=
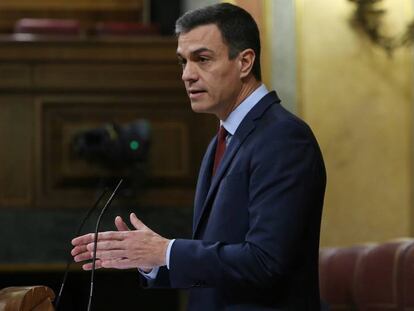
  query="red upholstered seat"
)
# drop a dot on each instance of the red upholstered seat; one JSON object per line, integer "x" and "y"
{"x": 336, "y": 270}
{"x": 378, "y": 281}
{"x": 45, "y": 26}
{"x": 126, "y": 29}
{"x": 407, "y": 276}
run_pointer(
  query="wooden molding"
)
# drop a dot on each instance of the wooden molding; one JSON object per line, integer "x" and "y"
{"x": 91, "y": 5}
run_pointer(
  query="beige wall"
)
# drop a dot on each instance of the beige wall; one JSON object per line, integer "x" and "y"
{"x": 358, "y": 101}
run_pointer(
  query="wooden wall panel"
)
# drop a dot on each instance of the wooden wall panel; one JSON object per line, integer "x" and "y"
{"x": 104, "y": 76}
{"x": 15, "y": 76}
{"x": 16, "y": 156}
{"x": 136, "y": 51}
{"x": 60, "y": 119}
{"x": 70, "y": 86}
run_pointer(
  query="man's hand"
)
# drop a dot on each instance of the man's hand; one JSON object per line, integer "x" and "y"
{"x": 141, "y": 248}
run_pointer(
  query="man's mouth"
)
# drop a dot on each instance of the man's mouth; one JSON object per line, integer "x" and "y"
{"x": 194, "y": 93}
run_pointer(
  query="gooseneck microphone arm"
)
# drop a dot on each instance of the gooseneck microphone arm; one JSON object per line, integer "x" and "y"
{"x": 69, "y": 260}
{"x": 96, "y": 242}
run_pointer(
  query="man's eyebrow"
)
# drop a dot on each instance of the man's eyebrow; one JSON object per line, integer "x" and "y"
{"x": 200, "y": 50}
{"x": 197, "y": 51}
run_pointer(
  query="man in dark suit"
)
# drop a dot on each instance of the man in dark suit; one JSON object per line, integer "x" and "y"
{"x": 260, "y": 190}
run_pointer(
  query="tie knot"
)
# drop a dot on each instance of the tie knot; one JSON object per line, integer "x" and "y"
{"x": 222, "y": 133}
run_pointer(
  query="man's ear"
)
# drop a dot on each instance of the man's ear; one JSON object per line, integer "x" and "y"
{"x": 246, "y": 61}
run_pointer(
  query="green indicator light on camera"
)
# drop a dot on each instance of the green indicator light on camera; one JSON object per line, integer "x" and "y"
{"x": 134, "y": 145}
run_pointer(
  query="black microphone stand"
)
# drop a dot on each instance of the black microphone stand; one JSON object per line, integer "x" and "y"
{"x": 96, "y": 242}
{"x": 69, "y": 260}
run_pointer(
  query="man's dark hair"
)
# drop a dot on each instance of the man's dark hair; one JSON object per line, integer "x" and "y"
{"x": 237, "y": 27}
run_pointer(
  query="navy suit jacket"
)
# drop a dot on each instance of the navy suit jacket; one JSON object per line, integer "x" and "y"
{"x": 256, "y": 221}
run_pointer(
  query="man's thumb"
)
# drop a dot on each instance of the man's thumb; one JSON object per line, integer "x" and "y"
{"x": 138, "y": 224}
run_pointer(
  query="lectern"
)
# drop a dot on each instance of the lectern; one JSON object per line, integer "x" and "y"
{"x": 30, "y": 298}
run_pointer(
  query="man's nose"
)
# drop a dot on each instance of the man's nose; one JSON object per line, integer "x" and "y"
{"x": 189, "y": 72}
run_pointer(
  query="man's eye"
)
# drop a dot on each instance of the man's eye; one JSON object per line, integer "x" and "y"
{"x": 181, "y": 62}
{"x": 203, "y": 59}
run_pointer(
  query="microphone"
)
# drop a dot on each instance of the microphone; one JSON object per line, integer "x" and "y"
{"x": 95, "y": 242}
{"x": 78, "y": 231}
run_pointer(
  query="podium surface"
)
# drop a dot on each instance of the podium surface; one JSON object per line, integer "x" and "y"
{"x": 26, "y": 298}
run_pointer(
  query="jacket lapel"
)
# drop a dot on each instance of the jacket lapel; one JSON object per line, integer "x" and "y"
{"x": 245, "y": 128}
{"x": 229, "y": 154}
{"x": 204, "y": 180}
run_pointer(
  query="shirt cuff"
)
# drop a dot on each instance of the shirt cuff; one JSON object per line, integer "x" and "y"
{"x": 168, "y": 253}
{"x": 152, "y": 275}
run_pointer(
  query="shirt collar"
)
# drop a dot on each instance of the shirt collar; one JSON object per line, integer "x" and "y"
{"x": 237, "y": 115}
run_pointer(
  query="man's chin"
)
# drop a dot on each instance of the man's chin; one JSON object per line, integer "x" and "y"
{"x": 198, "y": 107}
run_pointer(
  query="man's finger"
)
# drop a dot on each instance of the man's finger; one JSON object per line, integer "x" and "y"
{"x": 78, "y": 250}
{"x": 120, "y": 224}
{"x": 113, "y": 254}
{"x": 83, "y": 239}
{"x": 105, "y": 245}
{"x": 90, "y": 237}
{"x": 138, "y": 224}
{"x": 82, "y": 257}
{"x": 88, "y": 266}
{"x": 118, "y": 264}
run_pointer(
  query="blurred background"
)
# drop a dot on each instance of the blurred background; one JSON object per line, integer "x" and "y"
{"x": 90, "y": 92}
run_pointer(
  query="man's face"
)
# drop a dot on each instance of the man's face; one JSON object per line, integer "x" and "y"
{"x": 212, "y": 80}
